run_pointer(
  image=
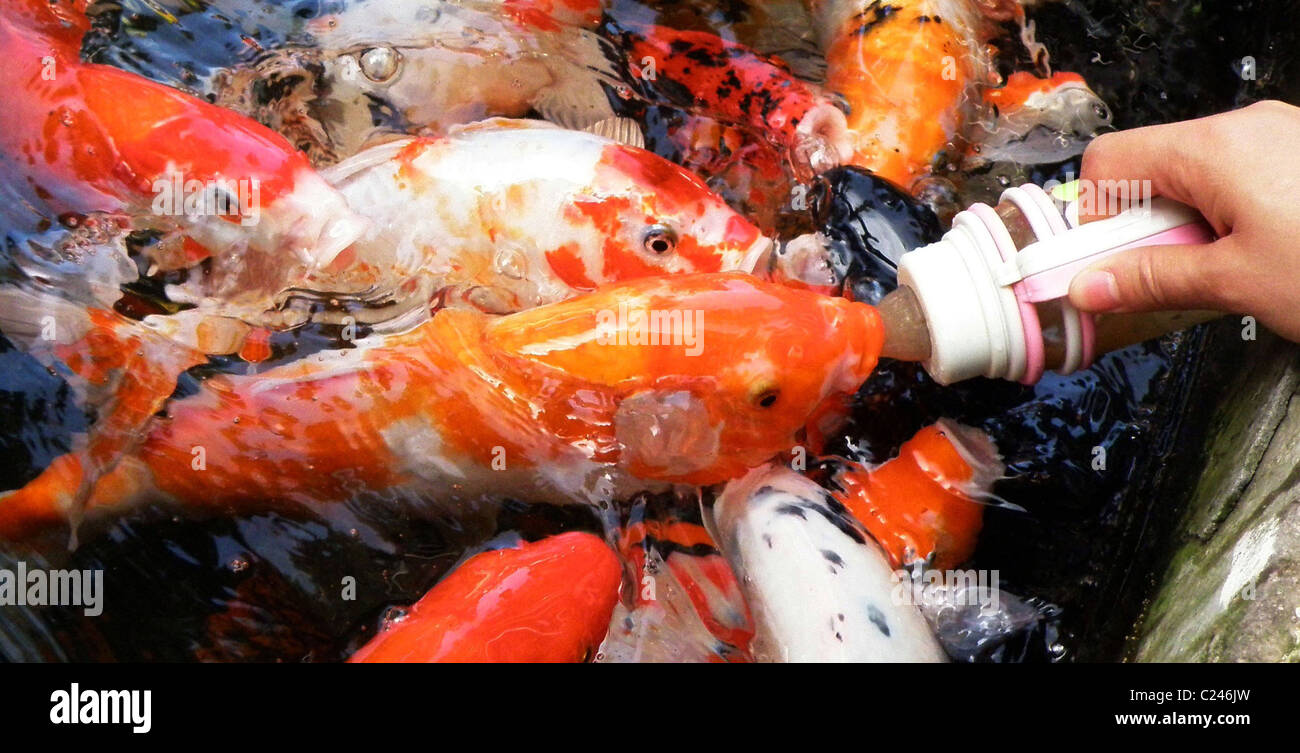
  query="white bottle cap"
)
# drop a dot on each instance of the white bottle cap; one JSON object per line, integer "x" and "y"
{"x": 973, "y": 321}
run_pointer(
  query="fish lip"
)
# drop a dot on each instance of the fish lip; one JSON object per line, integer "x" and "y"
{"x": 979, "y": 452}
{"x": 336, "y": 235}
{"x": 783, "y": 264}
{"x": 824, "y": 138}
{"x": 322, "y": 240}
{"x": 758, "y": 258}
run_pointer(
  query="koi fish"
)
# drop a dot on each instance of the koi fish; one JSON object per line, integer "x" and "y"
{"x": 384, "y": 68}
{"x": 922, "y": 505}
{"x": 686, "y": 605}
{"x": 706, "y": 75}
{"x": 819, "y": 587}
{"x": 508, "y": 215}
{"x": 909, "y": 71}
{"x": 80, "y": 138}
{"x": 1038, "y": 120}
{"x": 976, "y": 622}
{"x": 687, "y": 379}
{"x": 546, "y": 601}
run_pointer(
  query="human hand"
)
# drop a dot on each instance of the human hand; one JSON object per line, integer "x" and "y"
{"x": 1241, "y": 169}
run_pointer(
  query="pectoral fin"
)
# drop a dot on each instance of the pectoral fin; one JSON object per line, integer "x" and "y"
{"x": 665, "y": 434}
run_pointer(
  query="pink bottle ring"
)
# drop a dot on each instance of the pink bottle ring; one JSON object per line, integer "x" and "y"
{"x": 1028, "y": 314}
{"x": 1080, "y": 328}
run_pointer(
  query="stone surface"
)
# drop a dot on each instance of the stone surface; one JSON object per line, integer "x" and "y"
{"x": 1231, "y": 590}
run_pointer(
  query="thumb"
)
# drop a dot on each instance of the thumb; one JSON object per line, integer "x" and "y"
{"x": 1156, "y": 278}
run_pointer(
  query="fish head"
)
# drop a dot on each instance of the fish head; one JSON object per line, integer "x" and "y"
{"x": 1083, "y": 114}
{"x": 382, "y": 68}
{"x": 696, "y": 377}
{"x": 652, "y": 217}
{"x": 1062, "y": 103}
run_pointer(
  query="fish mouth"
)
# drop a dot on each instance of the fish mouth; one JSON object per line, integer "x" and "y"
{"x": 805, "y": 259}
{"x": 823, "y": 139}
{"x": 315, "y": 221}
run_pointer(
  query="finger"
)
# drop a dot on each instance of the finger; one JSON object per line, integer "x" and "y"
{"x": 1124, "y": 168}
{"x": 1155, "y": 278}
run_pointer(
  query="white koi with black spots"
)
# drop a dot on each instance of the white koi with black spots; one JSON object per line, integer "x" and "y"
{"x": 818, "y": 586}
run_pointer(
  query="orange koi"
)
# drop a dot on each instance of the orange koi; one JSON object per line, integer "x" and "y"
{"x": 1023, "y": 89}
{"x": 908, "y": 70}
{"x": 691, "y": 379}
{"x": 1036, "y": 120}
{"x": 921, "y": 506}
{"x": 547, "y": 601}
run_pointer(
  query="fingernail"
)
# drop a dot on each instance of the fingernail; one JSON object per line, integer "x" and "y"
{"x": 1096, "y": 291}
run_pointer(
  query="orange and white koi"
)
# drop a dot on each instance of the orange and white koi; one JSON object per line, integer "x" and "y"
{"x": 79, "y": 137}
{"x": 685, "y": 605}
{"x": 690, "y": 378}
{"x": 924, "y": 505}
{"x": 909, "y": 71}
{"x": 819, "y": 588}
{"x": 546, "y": 601}
{"x": 507, "y": 215}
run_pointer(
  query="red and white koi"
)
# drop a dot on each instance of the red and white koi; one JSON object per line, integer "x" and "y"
{"x": 79, "y": 138}
{"x": 508, "y": 215}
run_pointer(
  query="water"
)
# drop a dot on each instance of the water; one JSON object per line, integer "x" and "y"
{"x": 266, "y": 587}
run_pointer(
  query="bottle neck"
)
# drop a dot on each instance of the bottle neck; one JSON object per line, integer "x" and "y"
{"x": 907, "y": 334}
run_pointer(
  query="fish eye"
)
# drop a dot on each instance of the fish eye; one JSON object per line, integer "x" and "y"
{"x": 1101, "y": 111}
{"x": 379, "y": 64}
{"x": 766, "y": 396}
{"x": 659, "y": 240}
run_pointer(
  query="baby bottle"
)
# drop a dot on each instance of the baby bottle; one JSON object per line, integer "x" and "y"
{"x": 990, "y": 297}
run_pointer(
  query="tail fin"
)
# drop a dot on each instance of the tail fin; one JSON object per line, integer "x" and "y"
{"x": 123, "y": 369}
